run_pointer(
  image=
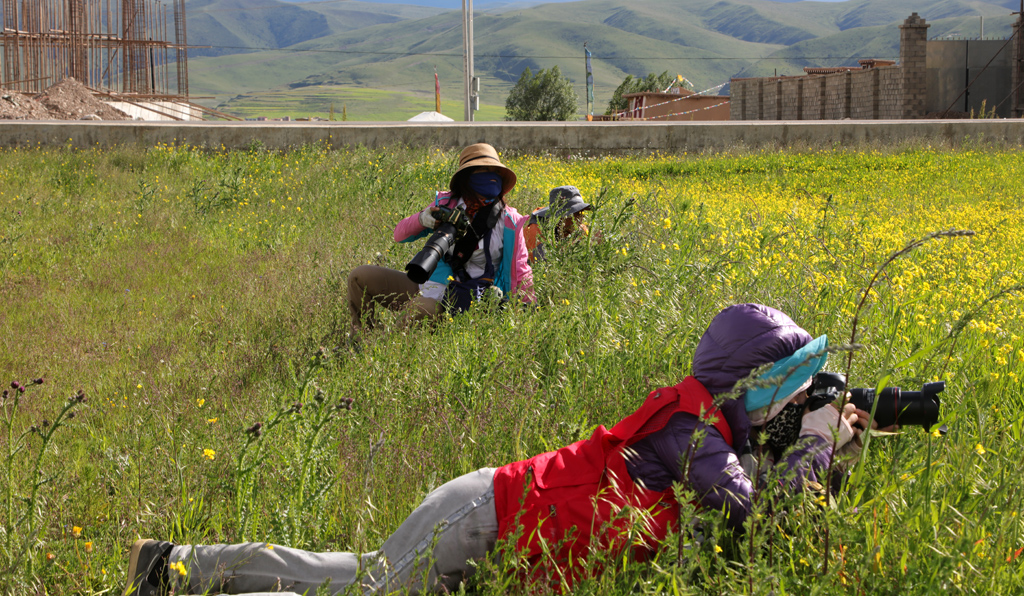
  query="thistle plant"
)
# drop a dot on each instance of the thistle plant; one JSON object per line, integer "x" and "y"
{"x": 24, "y": 502}
{"x": 309, "y": 416}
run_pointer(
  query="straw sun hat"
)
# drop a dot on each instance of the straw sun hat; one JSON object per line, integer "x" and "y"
{"x": 482, "y": 154}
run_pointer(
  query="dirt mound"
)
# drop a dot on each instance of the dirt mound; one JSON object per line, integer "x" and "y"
{"x": 71, "y": 100}
{"x": 15, "y": 106}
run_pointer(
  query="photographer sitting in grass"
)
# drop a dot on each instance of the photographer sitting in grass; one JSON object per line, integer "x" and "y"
{"x": 554, "y": 506}
{"x": 491, "y": 255}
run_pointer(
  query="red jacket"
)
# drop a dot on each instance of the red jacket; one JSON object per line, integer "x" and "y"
{"x": 566, "y": 501}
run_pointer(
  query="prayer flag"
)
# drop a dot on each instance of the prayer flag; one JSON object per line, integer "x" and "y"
{"x": 590, "y": 85}
{"x": 437, "y": 92}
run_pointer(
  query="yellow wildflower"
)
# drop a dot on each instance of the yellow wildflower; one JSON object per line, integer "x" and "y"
{"x": 76, "y": 531}
{"x": 209, "y": 453}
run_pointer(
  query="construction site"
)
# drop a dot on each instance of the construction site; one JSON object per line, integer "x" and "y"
{"x": 96, "y": 60}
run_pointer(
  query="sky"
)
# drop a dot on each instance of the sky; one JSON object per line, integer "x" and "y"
{"x": 453, "y": 4}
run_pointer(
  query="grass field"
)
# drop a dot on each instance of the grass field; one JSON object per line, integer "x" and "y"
{"x": 188, "y": 294}
{"x": 358, "y": 104}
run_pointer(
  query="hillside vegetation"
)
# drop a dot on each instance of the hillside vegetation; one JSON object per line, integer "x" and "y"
{"x": 397, "y": 48}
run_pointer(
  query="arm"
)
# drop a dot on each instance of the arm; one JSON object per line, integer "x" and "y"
{"x": 411, "y": 228}
{"x": 522, "y": 274}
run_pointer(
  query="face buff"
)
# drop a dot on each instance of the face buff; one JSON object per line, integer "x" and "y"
{"x": 784, "y": 429}
{"x": 486, "y": 184}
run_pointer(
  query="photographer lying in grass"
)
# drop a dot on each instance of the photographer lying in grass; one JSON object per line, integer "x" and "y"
{"x": 556, "y": 505}
{"x": 478, "y": 248}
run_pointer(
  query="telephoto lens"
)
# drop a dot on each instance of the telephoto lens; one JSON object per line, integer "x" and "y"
{"x": 454, "y": 224}
{"x": 425, "y": 261}
{"x": 906, "y": 408}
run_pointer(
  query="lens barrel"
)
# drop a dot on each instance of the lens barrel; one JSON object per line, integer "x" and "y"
{"x": 906, "y": 408}
{"x": 425, "y": 262}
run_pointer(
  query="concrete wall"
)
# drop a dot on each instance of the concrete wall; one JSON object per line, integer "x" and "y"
{"x": 558, "y": 137}
{"x": 953, "y": 64}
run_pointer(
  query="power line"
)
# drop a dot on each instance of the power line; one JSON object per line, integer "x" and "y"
{"x": 513, "y": 56}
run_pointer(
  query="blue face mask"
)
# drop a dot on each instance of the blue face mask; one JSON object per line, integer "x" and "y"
{"x": 486, "y": 184}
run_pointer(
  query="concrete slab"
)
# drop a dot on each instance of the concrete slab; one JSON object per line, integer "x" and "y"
{"x": 558, "y": 137}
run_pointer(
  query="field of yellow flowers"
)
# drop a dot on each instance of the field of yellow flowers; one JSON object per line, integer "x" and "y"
{"x": 177, "y": 363}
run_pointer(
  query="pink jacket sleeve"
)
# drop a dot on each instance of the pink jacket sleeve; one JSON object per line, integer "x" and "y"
{"x": 410, "y": 228}
{"x": 522, "y": 274}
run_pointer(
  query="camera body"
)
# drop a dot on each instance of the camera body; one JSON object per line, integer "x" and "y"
{"x": 895, "y": 406}
{"x": 454, "y": 223}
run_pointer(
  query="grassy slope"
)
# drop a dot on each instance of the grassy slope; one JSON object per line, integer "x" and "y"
{"x": 706, "y": 41}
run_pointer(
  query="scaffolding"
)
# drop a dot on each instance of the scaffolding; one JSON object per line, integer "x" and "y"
{"x": 114, "y": 47}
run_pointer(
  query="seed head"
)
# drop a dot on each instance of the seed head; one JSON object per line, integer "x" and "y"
{"x": 255, "y": 430}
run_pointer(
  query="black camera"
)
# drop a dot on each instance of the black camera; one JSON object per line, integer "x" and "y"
{"x": 895, "y": 406}
{"x": 454, "y": 225}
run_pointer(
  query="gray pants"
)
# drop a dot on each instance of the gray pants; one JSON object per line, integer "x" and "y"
{"x": 454, "y": 524}
{"x": 370, "y": 284}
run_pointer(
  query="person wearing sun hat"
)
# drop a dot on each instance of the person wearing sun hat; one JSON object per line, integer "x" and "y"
{"x": 567, "y": 208}
{"x": 558, "y": 506}
{"x": 494, "y": 260}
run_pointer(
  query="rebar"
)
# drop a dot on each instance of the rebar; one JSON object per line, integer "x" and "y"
{"x": 110, "y": 46}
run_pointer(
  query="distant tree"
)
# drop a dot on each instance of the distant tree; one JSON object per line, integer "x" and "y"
{"x": 652, "y": 82}
{"x": 544, "y": 96}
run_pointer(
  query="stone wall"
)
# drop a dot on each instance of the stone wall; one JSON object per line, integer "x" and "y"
{"x": 890, "y": 93}
{"x": 792, "y": 91}
{"x": 864, "y": 94}
{"x": 837, "y": 96}
{"x": 882, "y": 92}
{"x": 814, "y": 98}
{"x": 770, "y": 97}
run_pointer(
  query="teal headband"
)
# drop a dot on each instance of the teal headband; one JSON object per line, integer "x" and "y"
{"x": 809, "y": 360}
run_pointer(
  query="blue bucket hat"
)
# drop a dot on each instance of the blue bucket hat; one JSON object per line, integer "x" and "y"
{"x": 808, "y": 361}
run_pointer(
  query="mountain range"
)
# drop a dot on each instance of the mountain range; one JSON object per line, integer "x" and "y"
{"x": 245, "y": 51}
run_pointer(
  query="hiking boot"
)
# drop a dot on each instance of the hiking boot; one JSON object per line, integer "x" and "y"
{"x": 147, "y": 568}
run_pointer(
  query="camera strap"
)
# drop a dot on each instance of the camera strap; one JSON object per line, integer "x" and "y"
{"x": 483, "y": 222}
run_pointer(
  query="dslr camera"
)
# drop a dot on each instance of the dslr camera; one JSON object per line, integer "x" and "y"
{"x": 454, "y": 225}
{"x": 895, "y": 406}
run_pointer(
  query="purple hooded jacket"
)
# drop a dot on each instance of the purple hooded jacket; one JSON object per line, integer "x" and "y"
{"x": 738, "y": 340}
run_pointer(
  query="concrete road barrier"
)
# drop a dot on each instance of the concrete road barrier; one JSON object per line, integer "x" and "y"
{"x": 557, "y": 137}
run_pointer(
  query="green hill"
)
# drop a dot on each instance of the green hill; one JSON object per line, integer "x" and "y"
{"x": 396, "y": 48}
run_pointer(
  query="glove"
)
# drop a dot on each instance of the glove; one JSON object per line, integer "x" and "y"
{"x": 427, "y": 219}
{"x": 822, "y": 422}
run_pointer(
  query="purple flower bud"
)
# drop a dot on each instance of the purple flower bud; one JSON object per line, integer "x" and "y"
{"x": 15, "y": 384}
{"x": 21, "y": 389}
{"x": 38, "y": 381}
{"x": 46, "y": 423}
{"x": 71, "y": 415}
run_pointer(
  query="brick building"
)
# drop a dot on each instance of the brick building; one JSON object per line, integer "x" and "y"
{"x": 676, "y": 104}
{"x": 928, "y": 80}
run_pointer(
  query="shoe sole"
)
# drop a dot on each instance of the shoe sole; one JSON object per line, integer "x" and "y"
{"x": 133, "y": 566}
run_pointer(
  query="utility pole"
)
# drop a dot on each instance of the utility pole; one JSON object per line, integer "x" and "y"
{"x": 472, "y": 87}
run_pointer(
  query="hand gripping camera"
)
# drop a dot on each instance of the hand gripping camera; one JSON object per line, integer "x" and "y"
{"x": 454, "y": 225}
{"x": 895, "y": 406}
